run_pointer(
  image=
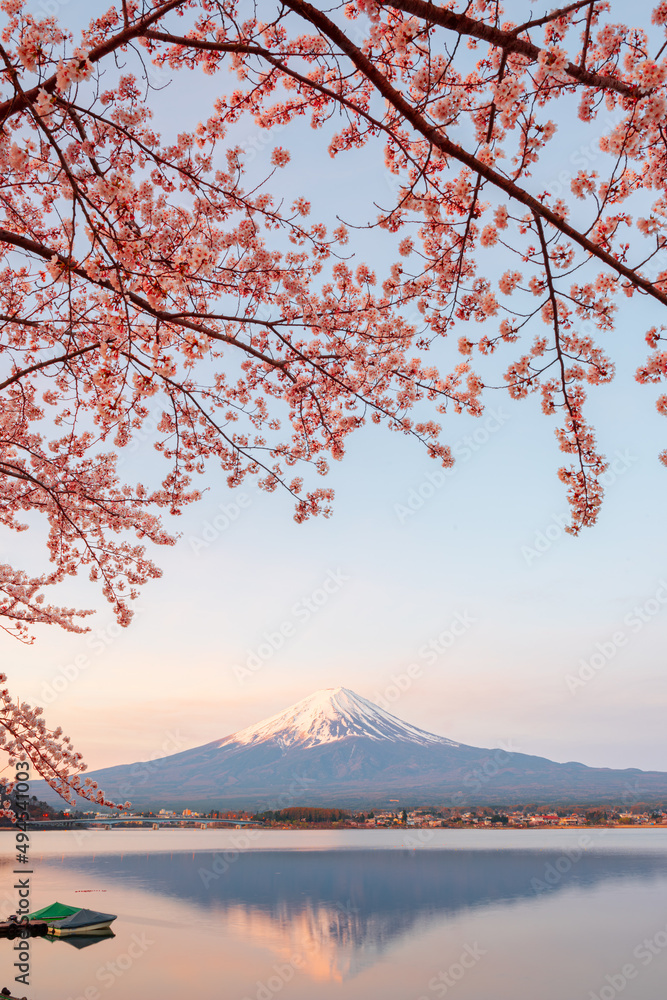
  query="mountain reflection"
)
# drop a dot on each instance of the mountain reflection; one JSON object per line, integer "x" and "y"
{"x": 340, "y": 910}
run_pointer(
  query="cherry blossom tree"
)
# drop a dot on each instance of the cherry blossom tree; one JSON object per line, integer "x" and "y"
{"x": 139, "y": 270}
{"x": 25, "y": 737}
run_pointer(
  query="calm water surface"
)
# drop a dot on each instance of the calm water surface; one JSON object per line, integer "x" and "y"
{"x": 258, "y": 915}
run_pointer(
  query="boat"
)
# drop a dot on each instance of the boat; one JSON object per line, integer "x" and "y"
{"x": 80, "y": 941}
{"x": 64, "y": 920}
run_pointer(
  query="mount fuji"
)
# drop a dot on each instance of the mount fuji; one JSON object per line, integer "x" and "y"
{"x": 337, "y": 748}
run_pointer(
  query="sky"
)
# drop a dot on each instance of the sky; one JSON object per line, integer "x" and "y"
{"x": 513, "y": 632}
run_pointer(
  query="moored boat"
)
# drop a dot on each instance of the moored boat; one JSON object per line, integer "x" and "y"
{"x": 62, "y": 919}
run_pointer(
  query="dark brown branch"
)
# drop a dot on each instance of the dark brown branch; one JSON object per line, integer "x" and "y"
{"x": 20, "y": 101}
{"x": 508, "y": 41}
{"x": 17, "y": 376}
{"x": 587, "y": 35}
{"x": 39, "y": 250}
{"x": 548, "y": 18}
{"x": 449, "y": 148}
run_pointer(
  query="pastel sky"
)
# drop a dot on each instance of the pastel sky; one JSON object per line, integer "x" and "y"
{"x": 470, "y": 577}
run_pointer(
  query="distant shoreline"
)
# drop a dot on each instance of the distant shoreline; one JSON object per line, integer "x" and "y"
{"x": 212, "y": 825}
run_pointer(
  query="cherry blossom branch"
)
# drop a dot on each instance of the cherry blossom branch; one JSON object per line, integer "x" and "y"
{"x": 509, "y": 41}
{"x": 20, "y": 102}
{"x": 38, "y": 366}
{"x": 37, "y": 249}
{"x": 25, "y": 736}
{"x": 450, "y": 148}
{"x": 587, "y": 496}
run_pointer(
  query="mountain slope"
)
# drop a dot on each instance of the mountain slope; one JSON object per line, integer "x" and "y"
{"x": 328, "y": 716}
{"x": 336, "y": 748}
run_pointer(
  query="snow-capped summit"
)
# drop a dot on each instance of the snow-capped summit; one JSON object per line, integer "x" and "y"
{"x": 328, "y": 716}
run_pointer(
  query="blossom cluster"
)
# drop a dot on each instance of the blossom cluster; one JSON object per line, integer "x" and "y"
{"x": 25, "y": 736}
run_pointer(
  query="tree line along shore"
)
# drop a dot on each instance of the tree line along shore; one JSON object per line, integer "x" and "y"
{"x": 309, "y": 817}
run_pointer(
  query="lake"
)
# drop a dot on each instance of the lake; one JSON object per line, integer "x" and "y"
{"x": 350, "y": 915}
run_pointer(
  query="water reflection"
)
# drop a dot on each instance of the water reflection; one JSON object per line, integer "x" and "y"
{"x": 80, "y": 941}
{"x": 340, "y": 910}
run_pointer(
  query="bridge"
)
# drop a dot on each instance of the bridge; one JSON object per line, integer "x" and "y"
{"x": 105, "y": 822}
